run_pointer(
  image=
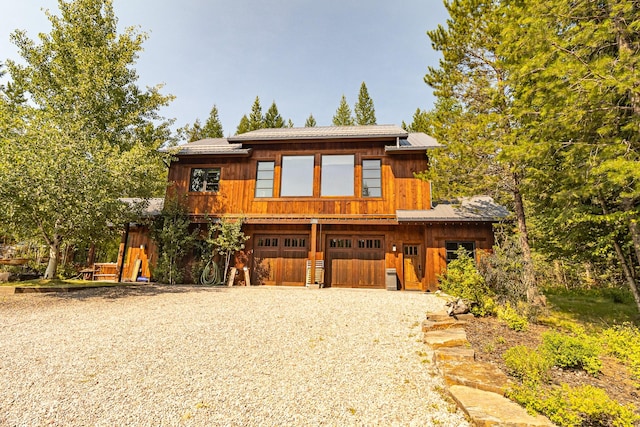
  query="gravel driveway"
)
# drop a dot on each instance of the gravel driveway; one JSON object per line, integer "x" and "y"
{"x": 258, "y": 356}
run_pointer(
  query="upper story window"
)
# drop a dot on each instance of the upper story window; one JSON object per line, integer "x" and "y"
{"x": 371, "y": 178}
{"x": 205, "y": 179}
{"x": 264, "y": 179}
{"x": 452, "y": 249}
{"x": 297, "y": 176}
{"x": 337, "y": 175}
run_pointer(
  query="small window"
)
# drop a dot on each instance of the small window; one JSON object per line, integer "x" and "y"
{"x": 297, "y": 176}
{"x": 337, "y": 175}
{"x": 205, "y": 180}
{"x": 267, "y": 242}
{"x": 369, "y": 244}
{"x": 294, "y": 242}
{"x": 340, "y": 243}
{"x": 411, "y": 250}
{"x": 452, "y": 249}
{"x": 264, "y": 179}
{"x": 371, "y": 178}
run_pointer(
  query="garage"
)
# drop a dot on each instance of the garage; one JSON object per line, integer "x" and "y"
{"x": 280, "y": 259}
{"x": 356, "y": 261}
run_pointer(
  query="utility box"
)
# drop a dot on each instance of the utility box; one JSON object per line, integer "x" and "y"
{"x": 391, "y": 279}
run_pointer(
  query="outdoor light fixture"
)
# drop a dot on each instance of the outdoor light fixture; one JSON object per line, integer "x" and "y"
{"x": 393, "y": 248}
{"x": 142, "y": 247}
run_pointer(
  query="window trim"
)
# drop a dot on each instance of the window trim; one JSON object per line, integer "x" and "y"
{"x": 205, "y": 182}
{"x": 282, "y": 176}
{"x": 362, "y": 189}
{"x": 258, "y": 180}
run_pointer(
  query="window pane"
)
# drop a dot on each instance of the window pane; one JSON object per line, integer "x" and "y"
{"x": 205, "y": 179}
{"x": 197, "y": 180}
{"x": 337, "y": 175}
{"x": 371, "y": 178}
{"x": 297, "y": 176}
{"x": 264, "y": 179}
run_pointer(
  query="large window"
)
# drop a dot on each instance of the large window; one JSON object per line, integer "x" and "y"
{"x": 264, "y": 179}
{"x": 297, "y": 176}
{"x": 337, "y": 175}
{"x": 205, "y": 179}
{"x": 452, "y": 249}
{"x": 371, "y": 178}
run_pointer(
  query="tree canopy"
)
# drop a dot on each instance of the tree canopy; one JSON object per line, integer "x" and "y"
{"x": 343, "y": 116}
{"x": 364, "y": 111}
{"x": 77, "y": 132}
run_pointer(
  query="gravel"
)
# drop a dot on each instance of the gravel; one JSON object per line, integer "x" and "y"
{"x": 193, "y": 356}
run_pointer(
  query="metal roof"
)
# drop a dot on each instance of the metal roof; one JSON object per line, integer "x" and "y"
{"x": 149, "y": 207}
{"x": 322, "y": 132}
{"x": 415, "y": 141}
{"x": 211, "y": 146}
{"x": 477, "y": 208}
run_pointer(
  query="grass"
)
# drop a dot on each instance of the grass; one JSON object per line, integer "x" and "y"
{"x": 596, "y": 309}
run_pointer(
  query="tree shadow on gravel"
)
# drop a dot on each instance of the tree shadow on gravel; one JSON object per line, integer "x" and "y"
{"x": 124, "y": 291}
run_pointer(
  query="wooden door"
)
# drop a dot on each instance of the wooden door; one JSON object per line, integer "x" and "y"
{"x": 413, "y": 268}
{"x": 280, "y": 260}
{"x": 355, "y": 261}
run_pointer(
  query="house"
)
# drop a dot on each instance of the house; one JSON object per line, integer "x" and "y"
{"x": 336, "y": 206}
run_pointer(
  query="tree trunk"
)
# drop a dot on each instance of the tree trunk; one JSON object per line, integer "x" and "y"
{"x": 628, "y": 274}
{"x": 529, "y": 276}
{"x": 54, "y": 256}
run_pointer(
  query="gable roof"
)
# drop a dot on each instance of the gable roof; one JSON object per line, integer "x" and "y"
{"x": 477, "y": 208}
{"x": 322, "y": 132}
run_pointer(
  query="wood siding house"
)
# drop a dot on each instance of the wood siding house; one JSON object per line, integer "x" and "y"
{"x": 336, "y": 206}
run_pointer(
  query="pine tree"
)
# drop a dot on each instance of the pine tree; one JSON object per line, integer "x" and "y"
{"x": 194, "y": 132}
{"x": 244, "y": 126}
{"x": 213, "y": 127}
{"x": 422, "y": 122}
{"x": 311, "y": 122}
{"x": 256, "y": 119}
{"x": 363, "y": 109}
{"x": 343, "y": 115}
{"x": 273, "y": 119}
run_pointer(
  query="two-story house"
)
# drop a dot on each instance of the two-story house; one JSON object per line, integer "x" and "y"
{"x": 339, "y": 206}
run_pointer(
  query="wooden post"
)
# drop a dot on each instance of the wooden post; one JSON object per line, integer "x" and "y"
{"x": 314, "y": 237}
{"x": 247, "y": 277}
{"x": 232, "y": 276}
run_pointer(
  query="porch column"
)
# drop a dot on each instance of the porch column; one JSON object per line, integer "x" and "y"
{"x": 312, "y": 254}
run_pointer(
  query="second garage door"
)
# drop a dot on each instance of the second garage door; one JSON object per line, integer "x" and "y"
{"x": 356, "y": 261}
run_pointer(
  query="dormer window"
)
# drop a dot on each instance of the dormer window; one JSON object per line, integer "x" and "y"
{"x": 205, "y": 180}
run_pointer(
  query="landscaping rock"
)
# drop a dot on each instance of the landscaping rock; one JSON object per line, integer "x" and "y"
{"x": 446, "y": 338}
{"x": 454, "y": 354}
{"x": 483, "y": 376}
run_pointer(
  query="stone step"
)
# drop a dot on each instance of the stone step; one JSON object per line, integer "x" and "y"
{"x": 454, "y": 354}
{"x": 491, "y": 409}
{"x": 438, "y": 317}
{"x": 446, "y": 338}
{"x": 479, "y": 375}
{"x": 429, "y": 325}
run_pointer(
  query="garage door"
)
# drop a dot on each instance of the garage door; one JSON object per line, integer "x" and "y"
{"x": 280, "y": 259}
{"x": 356, "y": 261}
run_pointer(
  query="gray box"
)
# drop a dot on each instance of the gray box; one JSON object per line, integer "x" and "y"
{"x": 391, "y": 279}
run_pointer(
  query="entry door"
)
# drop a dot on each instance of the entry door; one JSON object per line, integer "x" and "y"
{"x": 413, "y": 267}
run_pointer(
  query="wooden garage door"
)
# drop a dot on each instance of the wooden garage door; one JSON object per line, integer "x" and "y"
{"x": 356, "y": 261}
{"x": 280, "y": 259}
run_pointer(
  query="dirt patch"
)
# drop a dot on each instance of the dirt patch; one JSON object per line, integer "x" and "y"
{"x": 490, "y": 338}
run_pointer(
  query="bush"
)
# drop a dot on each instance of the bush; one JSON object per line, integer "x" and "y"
{"x": 463, "y": 280}
{"x": 512, "y": 318}
{"x": 623, "y": 342}
{"x": 573, "y": 407}
{"x": 503, "y": 270}
{"x": 574, "y": 352}
{"x": 528, "y": 365}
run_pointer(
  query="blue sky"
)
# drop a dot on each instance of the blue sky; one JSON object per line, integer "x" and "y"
{"x": 302, "y": 54}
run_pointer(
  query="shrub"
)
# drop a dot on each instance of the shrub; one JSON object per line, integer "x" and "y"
{"x": 528, "y": 365}
{"x": 463, "y": 280}
{"x": 573, "y": 407}
{"x": 578, "y": 352}
{"x": 512, "y": 318}
{"x": 623, "y": 342}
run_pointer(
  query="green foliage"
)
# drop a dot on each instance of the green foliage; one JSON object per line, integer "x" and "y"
{"x": 244, "y": 126}
{"x": 573, "y": 352}
{"x": 77, "y": 132}
{"x": 256, "y": 119}
{"x": 503, "y": 270}
{"x": 273, "y": 119}
{"x": 343, "y": 115}
{"x": 170, "y": 230}
{"x": 528, "y": 365}
{"x": 512, "y": 318}
{"x": 226, "y": 237}
{"x": 213, "y": 127}
{"x": 463, "y": 280}
{"x": 623, "y": 342}
{"x": 310, "y": 122}
{"x": 363, "y": 109}
{"x": 574, "y": 407}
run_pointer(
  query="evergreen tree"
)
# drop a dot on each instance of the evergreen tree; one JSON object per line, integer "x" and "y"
{"x": 290, "y": 123}
{"x": 343, "y": 115}
{"x": 363, "y": 109}
{"x": 194, "y": 132}
{"x": 256, "y": 119}
{"x": 422, "y": 122}
{"x": 244, "y": 126}
{"x": 273, "y": 119}
{"x": 213, "y": 127}
{"x": 474, "y": 118}
{"x": 311, "y": 122}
